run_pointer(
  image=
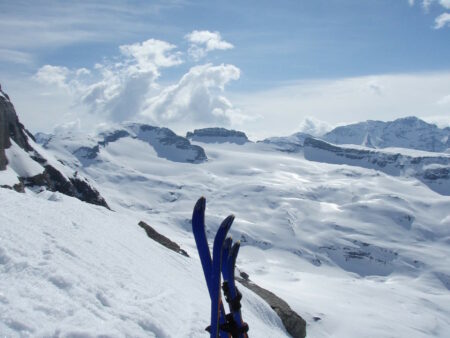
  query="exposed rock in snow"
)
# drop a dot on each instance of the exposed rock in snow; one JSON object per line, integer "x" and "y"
{"x": 32, "y": 166}
{"x": 294, "y": 324}
{"x": 217, "y": 135}
{"x": 164, "y": 142}
{"x": 169, "y": 145}
{"x": 430, "y": 168}
{"x": 408, "y": 132}
{"x": 161, "y": 239}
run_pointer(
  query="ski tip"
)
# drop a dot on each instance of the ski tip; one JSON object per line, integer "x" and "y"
{"x": 227, "y": 222}
{"x": 235, "y": 248}
{"x": 201, "y": 204}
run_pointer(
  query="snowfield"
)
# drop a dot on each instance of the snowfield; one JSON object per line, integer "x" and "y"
{"x": 70, "y": 269}
{"x": 354, "y": 251}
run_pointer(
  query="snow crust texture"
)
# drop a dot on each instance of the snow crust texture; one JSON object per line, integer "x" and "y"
{"x": 431, "y": 168}
{"x": 340, "y": 244}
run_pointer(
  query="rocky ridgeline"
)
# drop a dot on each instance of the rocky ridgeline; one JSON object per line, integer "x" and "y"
{"x": 217, "y": 135}
{"x": 433, "y": 170}
{"x": 409, "y": 132}
{"x": 164, "y": 141}
{"x": 31, "y": 167}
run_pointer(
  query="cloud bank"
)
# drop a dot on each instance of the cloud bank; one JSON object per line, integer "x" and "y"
{"x": 127, "y": 88}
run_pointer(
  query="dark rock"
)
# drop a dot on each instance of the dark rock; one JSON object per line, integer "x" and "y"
{"x": 218, "y": 135}
{"x": 161, "y": 239}
{"x": 51, "y": 178}
{"x": 74, "y": 187}
{"x": 244, "y": 275}
{"x": 16, "y": 130}
{"x": 113, "y": 136}
{"x": 294, "y": 324}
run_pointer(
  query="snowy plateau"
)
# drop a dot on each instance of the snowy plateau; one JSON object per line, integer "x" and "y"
{"x": 356, "y": 242}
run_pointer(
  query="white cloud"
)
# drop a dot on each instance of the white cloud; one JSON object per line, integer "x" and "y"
{"x": 196, "y": 99}
{"x": 53, "y": 75}
{"x": 313, "y": 126}
{"x": 151, "y": 55}
{"x": 281, "y": 110}
{"x": 126, "y": 88}
{"x": 411, "y": 2}
{"x": 442, "y": 21}
{"x": 202, "y": 42}
{"x": 445, "y": 3}
{"x": 116, "y": 89}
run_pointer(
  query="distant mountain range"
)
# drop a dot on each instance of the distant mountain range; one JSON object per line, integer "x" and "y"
{"x": 409, "y": 132}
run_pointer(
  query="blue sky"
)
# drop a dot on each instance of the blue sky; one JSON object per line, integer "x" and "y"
{"x": 369, "y": 59}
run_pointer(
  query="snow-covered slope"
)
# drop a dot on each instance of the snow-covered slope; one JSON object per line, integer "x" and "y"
{"x": 70, "y": 269}
{"x": 431, "y": 168}
{"x": 342, "y": 245}
{"x": 408, "y": 132}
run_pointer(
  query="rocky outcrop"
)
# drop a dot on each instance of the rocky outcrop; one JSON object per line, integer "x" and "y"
{"x": 4, "y": 134}
{"x": 164, "y": 141}
{"x": 217, "y": 135}
{"x": 294, "y": 324}
{"x": 50, "y": 176}
{"x": 161, "y": 239}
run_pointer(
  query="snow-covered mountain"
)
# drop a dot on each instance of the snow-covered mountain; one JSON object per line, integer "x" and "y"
{"x": 87, "y": 148}
{"x": 217, "y": 135}
{"x": 409, "y": 132}
{"x": 23, "y": 163}
{"x": 357, "y": 248}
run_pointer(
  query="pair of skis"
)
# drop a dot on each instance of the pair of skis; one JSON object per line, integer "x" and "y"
{"x": 222, "y": 262}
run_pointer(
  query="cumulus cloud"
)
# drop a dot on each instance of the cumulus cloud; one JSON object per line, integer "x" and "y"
{"x": 115, "y": 89}
{"x": 150, "y": 55}
{"x": 127, "y": 87}
{"x": 197, "y": 98}
{"x": 202, "y": 42}
{"x": 53, "y": 75}
{"x": 314, "y": 127}
{"x": 442, "y": 21}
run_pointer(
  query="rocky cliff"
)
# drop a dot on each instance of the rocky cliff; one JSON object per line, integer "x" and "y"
{"x": 217, "y": 135}
{"x": 24, "y": 164}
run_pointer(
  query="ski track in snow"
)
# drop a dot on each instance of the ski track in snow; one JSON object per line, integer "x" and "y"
{"x": 364, "y": 253}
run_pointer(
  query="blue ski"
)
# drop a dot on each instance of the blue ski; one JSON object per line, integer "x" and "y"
{"x": 216, "y": 294}
{"x": 198, "y": 228}
{"x": 236, "y": 325}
